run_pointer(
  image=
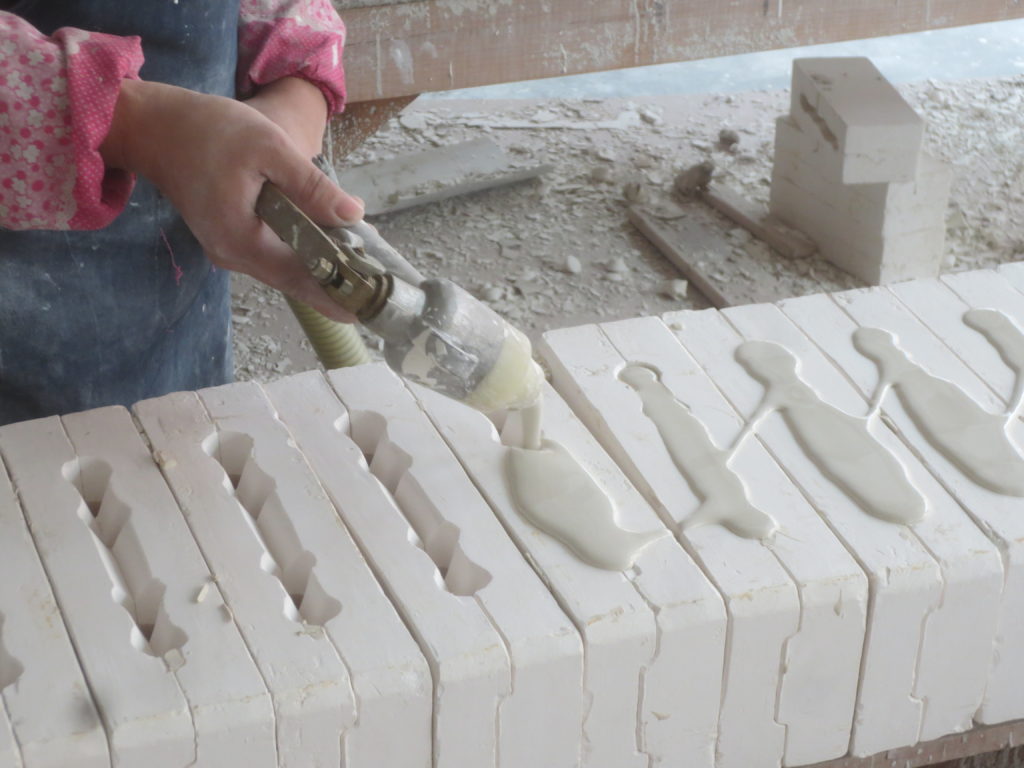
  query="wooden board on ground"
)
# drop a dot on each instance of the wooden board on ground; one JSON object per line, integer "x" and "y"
{"x": 433, "y": 175}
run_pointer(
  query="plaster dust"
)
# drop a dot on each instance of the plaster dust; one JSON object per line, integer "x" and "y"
{"x": 559, "y": 251}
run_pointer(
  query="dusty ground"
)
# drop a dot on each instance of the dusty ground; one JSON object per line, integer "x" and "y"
{"x": 512, "y": 246}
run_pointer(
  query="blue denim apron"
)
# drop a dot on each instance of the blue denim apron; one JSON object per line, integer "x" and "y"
{"x": 134, "y": 310}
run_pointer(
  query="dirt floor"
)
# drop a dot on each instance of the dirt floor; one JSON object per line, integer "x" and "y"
{"x": 519, "y": 247}
{"x": 559, "y": 251}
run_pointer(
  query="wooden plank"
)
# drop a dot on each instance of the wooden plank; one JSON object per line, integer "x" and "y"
{"x": 666, "y": 241}
{"x": 978, "y": 741}
{"x": 755, "y": 218}
{"x": 432, "y": 175}
{"x": 399, "y": 49}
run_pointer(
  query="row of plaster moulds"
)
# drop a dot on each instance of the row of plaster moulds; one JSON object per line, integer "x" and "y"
{"x": 935, "y": 585}
{"x": 796, "y": 605}
{"x": 343, "y": 673}
{"x": 507, "y": 663}
{"x": 927, "y": 318}
{"x": 171, "y": 680}
{"x": 44, "y": 696}
{"x": 654, "y": 634}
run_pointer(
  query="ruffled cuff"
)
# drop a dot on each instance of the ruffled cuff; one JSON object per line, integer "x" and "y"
{"x": 96, "y": 66}
{"x": 306, "y": 41}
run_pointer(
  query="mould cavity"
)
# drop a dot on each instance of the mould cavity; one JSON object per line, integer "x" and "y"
{"x": 428, "y": 529}
{"x": 132, "y": 585}
{"x": 284, "y": 556}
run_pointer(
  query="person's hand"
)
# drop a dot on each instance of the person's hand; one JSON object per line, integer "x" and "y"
{"x": 298, "y": 108}
{"x": 210, "y": 156}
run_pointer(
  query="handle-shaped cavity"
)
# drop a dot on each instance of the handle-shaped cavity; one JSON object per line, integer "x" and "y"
{"x": 132, "y": 585}
{"x": 306, "y": 600}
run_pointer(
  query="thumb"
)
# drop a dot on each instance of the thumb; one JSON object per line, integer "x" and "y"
{"x": 312, "y": 191}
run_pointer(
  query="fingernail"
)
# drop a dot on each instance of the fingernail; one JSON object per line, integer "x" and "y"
{"x": 345, "y": 214}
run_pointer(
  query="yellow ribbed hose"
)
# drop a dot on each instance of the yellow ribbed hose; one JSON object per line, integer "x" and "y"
{"x": 338, "y": 345}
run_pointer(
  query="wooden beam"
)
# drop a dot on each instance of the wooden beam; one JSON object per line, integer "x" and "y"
{"x": 401, "y": 48}
{"x": 978, "y": 741}
{"x": 671, "y": 243}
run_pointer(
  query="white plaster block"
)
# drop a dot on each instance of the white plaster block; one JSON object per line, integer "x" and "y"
{"x": 42, "y": 687}
{"x": 860, "y": 248}
{"x": 447, "y": 564}
{"x": 854, "y": 108}
{"x": 992, "y": 384}
{"x": 905, "y": 581}
{"x": 940, "y": 305}
{"x": 813, "y": 620}
{"x": 956, "y": 649}
{"x": 654, "y": 636}
{"x": 390, "y": 679}
{"x": 10, "y": 755}
{"x": 884, "y": 208}
{"x": 254, "y": 554}
{"x": 98, "y": 582}
{"x": 229, "y": 704}
{"x": 805, "y": 155}
{"x": 1013, "y": 274}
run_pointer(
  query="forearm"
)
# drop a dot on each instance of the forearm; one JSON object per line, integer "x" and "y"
{"x": 297, "y": 106}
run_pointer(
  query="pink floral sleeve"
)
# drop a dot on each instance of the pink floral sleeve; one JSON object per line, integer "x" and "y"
{"x": 292, "y": 38}
{"x": 57, "y": 97}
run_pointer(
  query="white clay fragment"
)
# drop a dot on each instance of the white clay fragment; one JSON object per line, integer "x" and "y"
{"x": 675, "y": 289}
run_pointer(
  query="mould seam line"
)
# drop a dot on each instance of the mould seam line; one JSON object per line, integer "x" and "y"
{"x": 100, "y": 712}
{"x": 186, "y": 516}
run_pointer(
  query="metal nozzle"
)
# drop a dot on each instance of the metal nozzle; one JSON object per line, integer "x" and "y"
{"x": 440, "y": 336}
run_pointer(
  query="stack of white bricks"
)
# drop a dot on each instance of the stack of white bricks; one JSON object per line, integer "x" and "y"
{"x": 331, "y": 570}
{"x": 849, "y": 172}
